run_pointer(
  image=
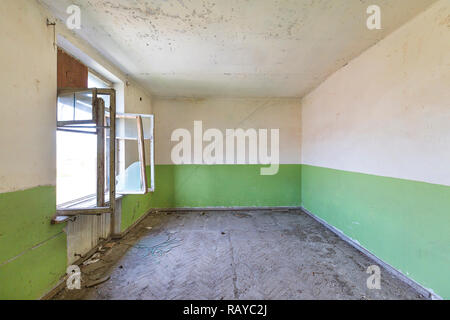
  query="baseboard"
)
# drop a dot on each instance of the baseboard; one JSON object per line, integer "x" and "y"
{"x": 53, "y": 291}
{"x": 396, "y": 273}
{"x": 190, "y": 209}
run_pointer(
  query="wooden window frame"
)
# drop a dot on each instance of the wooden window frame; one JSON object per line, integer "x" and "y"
{"x": 98, "y": 122}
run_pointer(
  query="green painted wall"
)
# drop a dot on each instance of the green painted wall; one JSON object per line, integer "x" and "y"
{"x": 32, "y": 251}
{"x": 215, "y": 186}
{"x": 404, "y": 223}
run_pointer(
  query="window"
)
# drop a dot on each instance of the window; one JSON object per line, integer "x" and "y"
{"x": 84, "y": 112}
{"x": 137, "y": 131}
{"x": 84, "y": 150}
{"x": 77, "y": 150}
{"x": 76, "y": 147}
{"x": 97, "y": 81}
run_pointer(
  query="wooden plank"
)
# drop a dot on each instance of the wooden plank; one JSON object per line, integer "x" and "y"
{"x": 81, "y": 211}
{"x": 100, "y": 153}
{"x": 141, "y": 146}
{"x": 71, "y": 72}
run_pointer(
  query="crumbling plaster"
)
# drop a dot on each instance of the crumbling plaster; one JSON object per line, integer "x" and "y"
{"x": 238, "y": 48}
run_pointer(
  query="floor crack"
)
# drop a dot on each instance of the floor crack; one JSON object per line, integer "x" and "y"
{"x": 233, "y": 268}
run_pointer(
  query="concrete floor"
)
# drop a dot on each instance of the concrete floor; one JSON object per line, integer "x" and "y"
{"x": 259, "y": 254}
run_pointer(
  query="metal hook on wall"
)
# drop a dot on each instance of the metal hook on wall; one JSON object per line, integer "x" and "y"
{"x": 53, "y": 24}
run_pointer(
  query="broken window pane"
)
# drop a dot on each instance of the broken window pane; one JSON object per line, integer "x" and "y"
{"x": 131, "y": 180}
{"x": 136, "y": 133}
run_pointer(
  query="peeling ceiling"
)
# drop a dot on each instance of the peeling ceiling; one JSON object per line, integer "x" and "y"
{"x": 236, "y": 48}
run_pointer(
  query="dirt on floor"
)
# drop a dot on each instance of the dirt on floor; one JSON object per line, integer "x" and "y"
{"x": 261, "y": 254}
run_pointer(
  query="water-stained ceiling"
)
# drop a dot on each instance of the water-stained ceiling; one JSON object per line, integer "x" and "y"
{"x": 238, "y": 48}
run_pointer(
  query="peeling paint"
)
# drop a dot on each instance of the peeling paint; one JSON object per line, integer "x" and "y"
{"x": 240, "y": 48}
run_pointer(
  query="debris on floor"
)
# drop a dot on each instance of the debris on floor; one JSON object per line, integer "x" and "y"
{"x": 97, "y": 282}
{"x": 95, "y": 258}
{"x": 242, "y": 215}
{"x": 190, "y": 258}
{"x": 110, "y": 244}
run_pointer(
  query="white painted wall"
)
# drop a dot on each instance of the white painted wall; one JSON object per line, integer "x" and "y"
{"x": 28, "y": 97}
{"x": 388, "y": 111}
{"x": 28, "y": 90}
{"x": 226, "y": 113}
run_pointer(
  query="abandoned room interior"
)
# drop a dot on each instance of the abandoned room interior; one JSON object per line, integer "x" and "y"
{"x": 225, "y": 150}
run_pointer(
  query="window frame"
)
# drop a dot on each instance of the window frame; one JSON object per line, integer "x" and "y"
{"x": 98, "y": 120}
{"x": 141, "y": 150}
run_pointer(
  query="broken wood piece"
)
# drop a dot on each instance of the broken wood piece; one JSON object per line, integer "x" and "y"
{"x": 95, "y": 258}
{"x": 97, "y": 282}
